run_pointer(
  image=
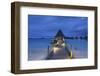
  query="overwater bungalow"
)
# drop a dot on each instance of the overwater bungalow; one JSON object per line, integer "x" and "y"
{"x": 59, "y": 49}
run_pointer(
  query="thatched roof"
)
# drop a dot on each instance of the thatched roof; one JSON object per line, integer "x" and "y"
{"x": 59, "y": 34}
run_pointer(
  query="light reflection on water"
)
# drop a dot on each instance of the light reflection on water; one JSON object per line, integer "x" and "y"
{"x": 38, "y": 48}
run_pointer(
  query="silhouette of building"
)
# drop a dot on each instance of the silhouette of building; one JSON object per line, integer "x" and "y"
{"x": 60, "y": 34}
{"x": 59, "y": 39}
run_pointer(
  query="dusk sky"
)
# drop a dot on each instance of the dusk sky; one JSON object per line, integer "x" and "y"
{"x": 48, "y": 26}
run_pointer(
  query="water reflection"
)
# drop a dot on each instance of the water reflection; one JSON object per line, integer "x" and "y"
{"x": 38, "y": 48}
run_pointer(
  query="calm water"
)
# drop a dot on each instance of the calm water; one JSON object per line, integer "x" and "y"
{"x": 38, "y": 48}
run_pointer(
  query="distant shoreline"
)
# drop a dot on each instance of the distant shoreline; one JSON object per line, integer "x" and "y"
{"x": 81, "y": 38}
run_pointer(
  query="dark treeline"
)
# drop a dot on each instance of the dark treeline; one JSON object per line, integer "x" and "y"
{"x": 77, "y": 37}
{"x": 67, "y": 37}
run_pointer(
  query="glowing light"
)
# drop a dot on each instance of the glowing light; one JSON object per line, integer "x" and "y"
{"x": 56, "y": 49}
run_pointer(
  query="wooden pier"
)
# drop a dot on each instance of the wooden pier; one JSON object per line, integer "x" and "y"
{"x": 59, "y": 49}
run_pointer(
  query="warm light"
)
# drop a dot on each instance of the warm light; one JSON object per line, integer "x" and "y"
{"x": 56, "y": 49}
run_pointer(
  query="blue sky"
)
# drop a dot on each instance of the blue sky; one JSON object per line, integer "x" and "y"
{"x": 47, "y": 26}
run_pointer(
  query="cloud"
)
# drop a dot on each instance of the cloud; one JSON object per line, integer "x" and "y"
{"x": 42, "y": 26}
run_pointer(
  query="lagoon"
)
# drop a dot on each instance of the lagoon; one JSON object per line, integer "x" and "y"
{"x": 38, "y": 48}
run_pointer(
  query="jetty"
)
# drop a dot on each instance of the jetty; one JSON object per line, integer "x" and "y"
{"x": 59, "y": 48}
